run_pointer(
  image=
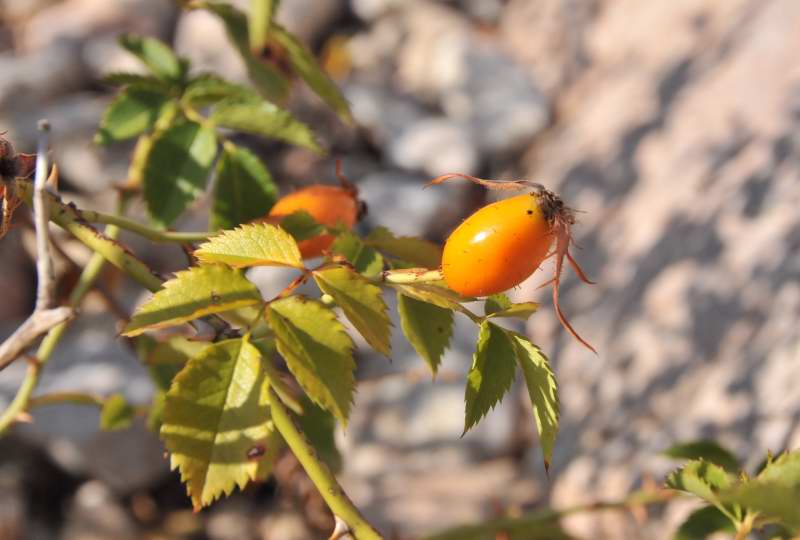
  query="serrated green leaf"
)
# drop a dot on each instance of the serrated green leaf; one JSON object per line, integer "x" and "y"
{"x": 304, "y": 64}
{"x": 207, "y": 89}
{"x": 364, "y": 259}
{"x": 259, "y": 22}
{"x": 362, "y": 303}
{"x": 414, "y": 250}
{"x": 702, "y": 523}
{"x": 155, "y": 54}
{"x": 116, "y": 413}
{"x": 244, "y": 189}
{"x": 270, "y": 82}
{"x": 134, "y": 111}
{"x": 193, "y": 293}
{"x": 775, "y": 502}
{"x": 176, "y": 350}
{"x": 427, "y": 327}
{"x": 262, "y": 118}
{"x": 705, "y": 480}
{"x": 707, "y": 450}
{"x": 499, "y": 305}
{"x": 491, "y": 374}
{"x": 775, "y": 492}
{"x": 176, "y": 169}
{"x": 317, "y": 350}
{"x": 543, "y": 391}
{"x": 301, "y": 225}
{"x": 252, "y": 244}
{"x": 216, "y": 421}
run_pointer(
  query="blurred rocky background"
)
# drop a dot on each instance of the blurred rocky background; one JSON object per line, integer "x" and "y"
{"x": 673, "y": 126}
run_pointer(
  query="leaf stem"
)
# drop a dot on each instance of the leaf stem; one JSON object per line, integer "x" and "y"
{"x": 319, "y": 473}
{"x": 143, "y": 230}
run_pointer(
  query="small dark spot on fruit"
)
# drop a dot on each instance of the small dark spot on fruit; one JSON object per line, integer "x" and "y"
{"x": 530, "y": 212}
{"x": 256, "y": 452}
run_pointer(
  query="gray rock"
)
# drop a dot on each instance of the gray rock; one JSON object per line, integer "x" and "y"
{"x": 307, "y": 19}
{"x": 96, "y": 515}
{"x": 436, "y": 146}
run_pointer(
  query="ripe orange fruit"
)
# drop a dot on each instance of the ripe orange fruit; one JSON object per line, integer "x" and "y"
{"x": 328, "y": 205}
{"x": 497, "y": 247}
{"x": 503, "y": 243}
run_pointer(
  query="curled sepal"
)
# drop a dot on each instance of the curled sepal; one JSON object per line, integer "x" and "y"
{"x": 500, "y": 185}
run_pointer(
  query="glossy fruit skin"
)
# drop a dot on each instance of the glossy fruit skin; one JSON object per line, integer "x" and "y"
{"x": 497, "y": 247}
{"x": 328, "y": 205}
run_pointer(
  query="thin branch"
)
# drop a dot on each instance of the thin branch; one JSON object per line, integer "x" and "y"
{"x": 38, "y": 323}
{"x": 319, "y": 473}
{"x": 143, "y": 230}
{"x": 46, "y": 287}
{"x": 43, "y": 317}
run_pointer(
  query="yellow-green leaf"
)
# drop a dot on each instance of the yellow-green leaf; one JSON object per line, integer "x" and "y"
{"x": 543, "y": 391}
{"x": 133, "y": 111}
{"x": 216, "y": 421}
{"x": 362, "y": 303}
{"x": 499, "y": 305}
{"x": 193, "y": 293}
{"x": 364, "y": 259}
{"x": 269, "y": 81}
{"x": 244, "y": 188}
{"x": 407, "y": 248}
{"x": 317, "y": 350}
{"x": 155, "y": 54}
{"x": 176, "y": 168}
{"x": 116, "y": 413}
{"x": 435, "y": 293}
{"x": 253, "y": 244}
{"x": 260, "y": 117}
{"x": 428, "y": 328}
{"x": 304, "y": 64}
{"x": 491, "y": 374}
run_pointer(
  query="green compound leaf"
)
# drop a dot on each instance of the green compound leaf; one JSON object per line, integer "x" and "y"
{"x": 705, "y": 480}
{"x": 543, "y": 391}
{"x": 253, "y": 244}
{"x": 364, "y": 259}
{"x": 304, "y": 64}
{"x": 707, "y": 450}
{"x": 116, "y": 413}
{"x": 216, "y": 421}
{"x": 702, "y": 523}
{"x": 269, "y": 81}
{"x": 492, "y": 372}
{"x": 427, "y": 327}
{"x": 499, "y": 305}
{"x": 301, "y": 225}
{"x": 244, "y": 189}
{"x": 207, "y": 89}
{"x": 155, "y": 54}
{"x": 318, "y": 425}
{"x": 362, "y": 303}
{"x": 176, "y": 350}
{"x": 193, "y": 293}
{"x": 414, "y": 250}
{"x": 317, "y": 350}
{"x": 774, "y": 493}
{"x": 264, "y": 119}
{"x": 176, "y": 169}
{"x": 134, "y": 111}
